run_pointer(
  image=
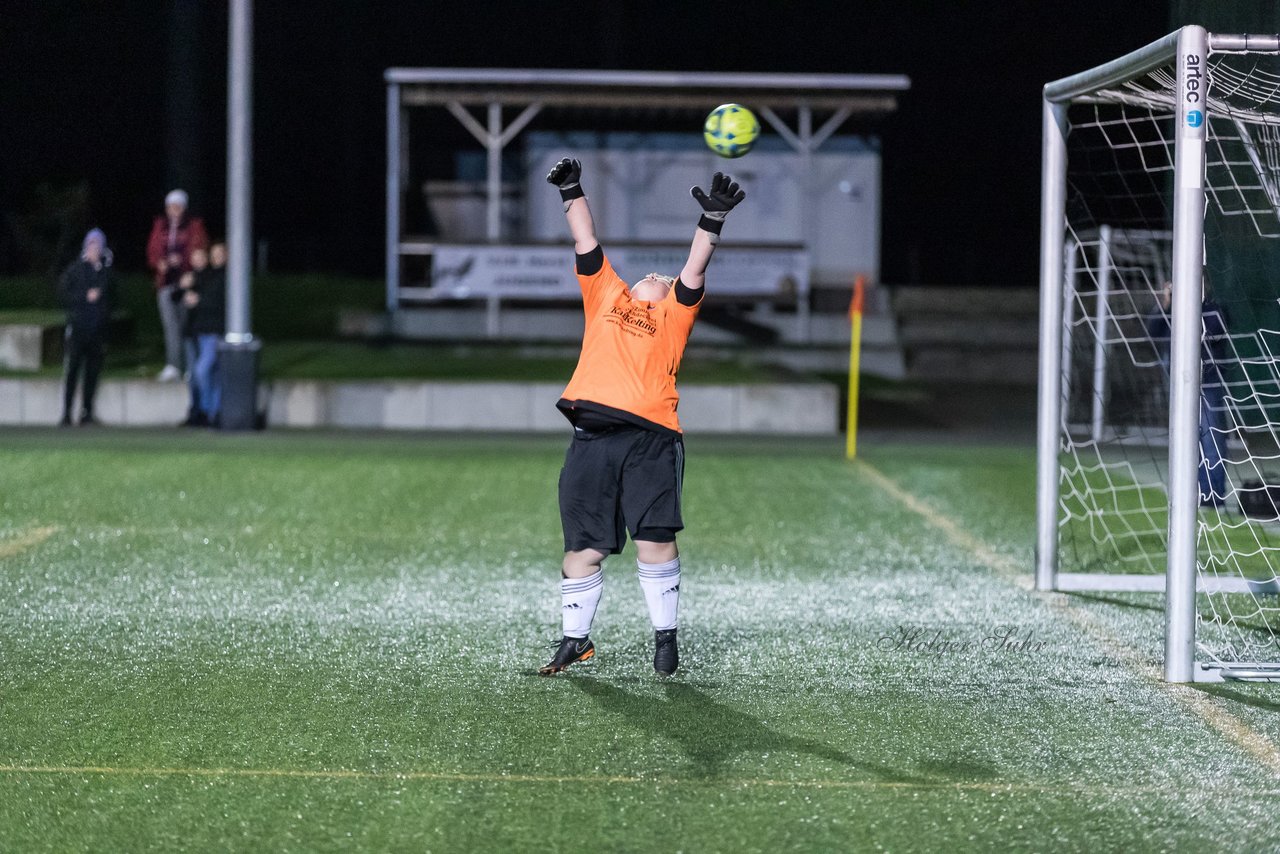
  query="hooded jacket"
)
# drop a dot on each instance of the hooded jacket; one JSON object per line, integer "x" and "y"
{"x": 77, "y": 280}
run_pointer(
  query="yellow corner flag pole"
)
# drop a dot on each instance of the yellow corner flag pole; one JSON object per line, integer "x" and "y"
{"x": 855, "y": 355}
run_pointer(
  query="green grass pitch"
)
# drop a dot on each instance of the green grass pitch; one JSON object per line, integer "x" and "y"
{"x": 327, "y": 643}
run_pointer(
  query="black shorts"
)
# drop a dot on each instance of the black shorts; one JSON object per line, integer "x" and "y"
{"x": 618, "y": 480}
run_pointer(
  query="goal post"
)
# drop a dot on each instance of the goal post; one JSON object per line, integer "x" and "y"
{"x": 1138, "y": 154}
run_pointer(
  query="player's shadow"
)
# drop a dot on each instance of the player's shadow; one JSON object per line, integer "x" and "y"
{"x": 709, "y": 733}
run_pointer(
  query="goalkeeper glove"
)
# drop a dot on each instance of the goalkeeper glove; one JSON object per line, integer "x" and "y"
{"x": 567, "y": 175}
{"x": 724, "y": 196}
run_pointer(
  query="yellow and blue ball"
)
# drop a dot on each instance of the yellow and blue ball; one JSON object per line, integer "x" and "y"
{"x": 731, "y": 130}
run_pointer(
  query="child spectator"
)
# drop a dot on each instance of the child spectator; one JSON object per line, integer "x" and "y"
{"x": 207, "y": 324}
{"x": 186, "y": 285}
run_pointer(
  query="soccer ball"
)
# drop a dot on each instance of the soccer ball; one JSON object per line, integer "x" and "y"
{"x": 731, "y": 130}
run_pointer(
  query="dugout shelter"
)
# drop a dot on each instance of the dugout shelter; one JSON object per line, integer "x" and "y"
{"x": 804, "y": 160}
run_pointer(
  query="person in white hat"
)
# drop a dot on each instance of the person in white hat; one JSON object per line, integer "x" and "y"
{"x": 174, "y": 236}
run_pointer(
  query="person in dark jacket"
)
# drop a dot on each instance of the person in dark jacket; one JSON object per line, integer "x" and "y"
{"x": 207, "y": 324}
{"x": 1214, "y": 344}
{"x": 87, "y": 290}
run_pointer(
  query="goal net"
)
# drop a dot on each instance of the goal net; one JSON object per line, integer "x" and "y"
{"x": 1160, "y": 387}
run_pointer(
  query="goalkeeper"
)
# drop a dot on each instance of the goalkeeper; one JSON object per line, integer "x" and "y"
{"x": 623, "y": 469}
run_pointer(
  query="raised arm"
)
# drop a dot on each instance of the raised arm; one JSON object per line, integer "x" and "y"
{"x": 567, "y": 175}
{"x": 724, "y": 197}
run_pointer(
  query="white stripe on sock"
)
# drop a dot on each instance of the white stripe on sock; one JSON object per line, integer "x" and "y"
{"x": 661, "y": 585}
{"x": 579, "y": 598}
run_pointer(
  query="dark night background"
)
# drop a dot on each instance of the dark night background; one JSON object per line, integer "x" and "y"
{"x": 92, "y": 95}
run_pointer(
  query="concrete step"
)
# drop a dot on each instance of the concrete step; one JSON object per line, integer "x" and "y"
{"x": 754, "y": 409}
{"x": 132, "y": 402}
{"x": 766, "y": 408}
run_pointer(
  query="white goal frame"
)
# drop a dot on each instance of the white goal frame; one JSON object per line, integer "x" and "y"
{"x": 1188, "y": 49}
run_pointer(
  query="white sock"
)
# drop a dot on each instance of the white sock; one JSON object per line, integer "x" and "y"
{"x": 661, "y": 585}
{"x": 579, "y": 598}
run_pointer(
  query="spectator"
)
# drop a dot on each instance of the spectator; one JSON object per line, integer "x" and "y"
{"x": 207, "y": 324}
{"x": 186, "y": 286}
{"x": 87, "y": 290}
{"x": 174, "y": 237}
{"x": 1214, "y": 341}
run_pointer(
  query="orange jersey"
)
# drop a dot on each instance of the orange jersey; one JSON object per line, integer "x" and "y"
{"x": 631, "y": 351}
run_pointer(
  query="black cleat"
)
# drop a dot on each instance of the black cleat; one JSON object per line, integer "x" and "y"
{"x": 195, "y": 418}
{"x": 570, "y": 650}
{"x": 666, "y": 654}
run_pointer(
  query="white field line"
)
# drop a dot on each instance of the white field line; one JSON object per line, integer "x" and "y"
{"x": 1209, "y": 709}
{"x": 26, "y": 540}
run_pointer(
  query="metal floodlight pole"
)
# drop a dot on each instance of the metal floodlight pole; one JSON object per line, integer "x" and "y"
{"x": 238, "y": 353}
{"x": 1053, "y": 205}
{"x": 1184, "y": 374}
{"x": 239, "y": 169}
